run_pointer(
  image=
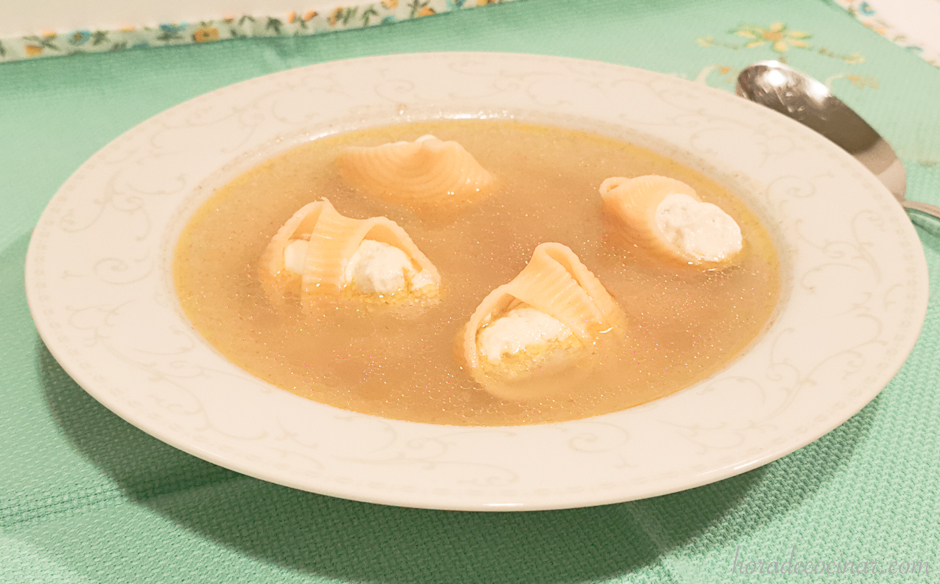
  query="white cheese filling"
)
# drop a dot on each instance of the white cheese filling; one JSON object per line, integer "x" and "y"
{"x": 519, "y": 329}
{"x": 294, "y": 255}
{"x": 374, "y": 268}
{"x": 378, "y": 268}
{"x": 702, "y": 231}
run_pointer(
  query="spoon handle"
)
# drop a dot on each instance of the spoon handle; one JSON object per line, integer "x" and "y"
{"x": 922, "y": 207}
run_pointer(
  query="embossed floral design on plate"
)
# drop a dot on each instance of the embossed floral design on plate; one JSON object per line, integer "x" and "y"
{"x": 854, "y": 298}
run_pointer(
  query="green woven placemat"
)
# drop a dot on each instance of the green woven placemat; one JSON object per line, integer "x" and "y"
{"x": 85, "y": 497}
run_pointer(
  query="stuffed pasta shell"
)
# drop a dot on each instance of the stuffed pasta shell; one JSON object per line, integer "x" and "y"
{"x": 667, "y": 218}
{"x": 427, "y": 173}
{"x": 547, "y": 321}
{"x": 319, "y": 256}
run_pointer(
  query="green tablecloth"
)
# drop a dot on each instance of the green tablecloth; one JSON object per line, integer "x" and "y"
{"x": 85, "y": 497}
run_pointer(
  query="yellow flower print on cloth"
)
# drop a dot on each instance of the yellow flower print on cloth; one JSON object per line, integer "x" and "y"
{"x": 776, "y": 37}
{"x": 206, "y": 34}
{"x": 777, "y": 34}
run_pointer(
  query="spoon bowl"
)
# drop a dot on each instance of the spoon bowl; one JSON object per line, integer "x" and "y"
{"x": 806, "y": 100}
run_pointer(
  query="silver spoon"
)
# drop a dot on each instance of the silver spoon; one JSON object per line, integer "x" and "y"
{"x": 799, "y": 96}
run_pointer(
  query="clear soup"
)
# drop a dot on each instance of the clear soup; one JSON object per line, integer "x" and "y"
{"x": 683, "y": 325}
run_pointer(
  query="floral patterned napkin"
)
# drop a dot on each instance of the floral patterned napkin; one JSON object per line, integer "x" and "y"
{"x": 903, "y": 23}
{"x": 346, "y": 15}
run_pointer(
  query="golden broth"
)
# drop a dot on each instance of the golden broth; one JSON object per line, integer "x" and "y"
{"x": 682, "y": 325}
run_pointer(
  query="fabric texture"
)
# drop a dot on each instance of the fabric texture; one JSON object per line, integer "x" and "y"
{"x": 85, "y": 497}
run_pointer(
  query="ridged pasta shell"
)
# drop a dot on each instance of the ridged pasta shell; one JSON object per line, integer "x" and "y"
{"x": 632, "y": 205}
{"x": 279, "y": 284}
{"x": 427, "y": 173}
{"x": 331, "y": 240}
{"x": 556, "y": 283}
